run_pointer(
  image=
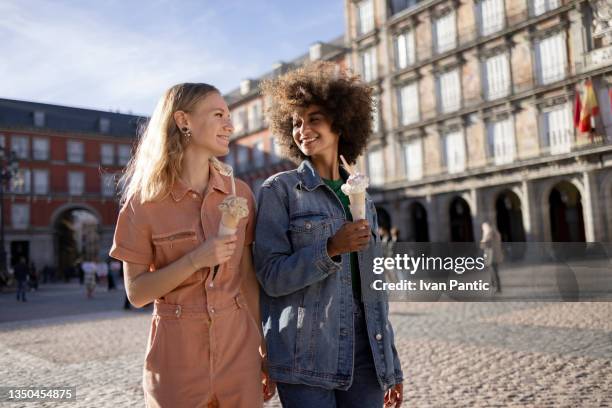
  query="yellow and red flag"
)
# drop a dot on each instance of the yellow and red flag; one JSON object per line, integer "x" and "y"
{"x": 590, "y": 107}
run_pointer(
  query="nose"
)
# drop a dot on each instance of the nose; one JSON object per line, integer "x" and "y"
{"x": 229, "y": 126}
{"x": 303, "y": 128}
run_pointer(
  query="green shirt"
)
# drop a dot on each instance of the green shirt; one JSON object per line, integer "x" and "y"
{"x": 355, "y": 279}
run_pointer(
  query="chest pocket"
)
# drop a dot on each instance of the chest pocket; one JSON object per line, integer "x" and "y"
{"x": 173, "y": 245}
{"x": 307, "y": 228}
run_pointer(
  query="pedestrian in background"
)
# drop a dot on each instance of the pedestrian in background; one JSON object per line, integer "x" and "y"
{"x": 33, "y": 281}
{"x": 21, "y": 276}
{"x": 89, "y": 277}
{"x": 102, "y": 273}
{"x": 493, "y": 254}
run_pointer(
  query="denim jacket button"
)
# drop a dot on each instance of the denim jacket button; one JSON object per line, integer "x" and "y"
{"x": 378, "y": 336}
{"x": 308, "y": 225}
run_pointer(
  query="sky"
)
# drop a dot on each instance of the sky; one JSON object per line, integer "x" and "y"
{"x": 122, "y": 54}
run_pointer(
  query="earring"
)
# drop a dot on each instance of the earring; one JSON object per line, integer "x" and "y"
{"x": 186, "y": 133}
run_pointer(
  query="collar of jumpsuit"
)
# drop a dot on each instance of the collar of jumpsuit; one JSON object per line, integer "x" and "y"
{"x": 215, "y": 181}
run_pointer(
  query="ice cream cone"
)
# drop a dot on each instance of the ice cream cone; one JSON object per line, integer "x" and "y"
{"x": 358, "y": 206}
{"x": 228, "y": 224}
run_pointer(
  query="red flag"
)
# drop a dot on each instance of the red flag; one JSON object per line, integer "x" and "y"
{"x": 577, "y": 108}
{"x": 590, "y": 108}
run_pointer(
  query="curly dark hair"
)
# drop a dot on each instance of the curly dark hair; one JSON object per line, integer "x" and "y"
{"x": 342, "y": 96}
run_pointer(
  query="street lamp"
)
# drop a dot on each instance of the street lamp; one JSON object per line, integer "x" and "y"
{"x": 9, "y": 166}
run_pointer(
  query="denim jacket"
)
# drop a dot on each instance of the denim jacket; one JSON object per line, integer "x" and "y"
{"x": 306, "y": 302}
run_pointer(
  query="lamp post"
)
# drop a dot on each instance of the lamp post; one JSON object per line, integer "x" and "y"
{"x": 9, "y": 167}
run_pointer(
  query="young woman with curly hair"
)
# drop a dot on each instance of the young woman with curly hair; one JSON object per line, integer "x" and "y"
{"x": 328, "y": 345}
{"x": 203, "y": 348}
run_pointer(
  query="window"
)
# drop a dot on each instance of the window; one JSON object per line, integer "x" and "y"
{"x": 39, "y": 119}
{"x": 125, "y": 151}
{"x": 376, "y": 169}
{"x": 41, "y": 181}
{"x": 255, "y": 117}
{"x": 20, "y": 215}
{"x": 542, "y": 6}
{"x": 20, "y": 182}
{"x": 558, "y": 129}
{"x": 365, "y": 16}
{"x": 375, "y": 114}
{"x": 446, "y": 32}
{"x": 498, "y": 76}
{"x": 107, "y": 154}
{"x": 76, "y": 182}
{"x": 258, "y": 154}
{"x": 551, "y": 58}
{"x": 449, "y": 91}
{"x": 104, "y": 125}
{"x": 501, "y": 141}
{"x": 413, "y": 156}
{"x": 276, "y": 150}
{"x": 398, "y": 5}
{"x": 409, "y": 104}
{"x": 108, "y": 185}
{"x": 75, "y": 151}
{"x": 243, "y": 157}
{"x": 40, "y": 149}
{"x": 240, "y": 120}
{"x": 405, "y": 49}
{"x": 491, "y": 16}
{"x": 229, "y": 159}
{"x": 368, "y": 64}
{"x": 454, "y": 148}
{"x": 21, "y": 146}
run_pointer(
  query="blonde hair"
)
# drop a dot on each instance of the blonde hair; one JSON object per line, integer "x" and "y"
{"x": 158, "y": 160}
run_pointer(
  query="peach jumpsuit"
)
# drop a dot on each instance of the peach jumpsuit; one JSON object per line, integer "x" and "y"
{"x": 203, "y": 344}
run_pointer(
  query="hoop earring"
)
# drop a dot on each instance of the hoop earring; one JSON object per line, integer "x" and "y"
{"x": 187, "y": 133}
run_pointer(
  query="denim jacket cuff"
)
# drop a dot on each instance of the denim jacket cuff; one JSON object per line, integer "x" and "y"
{"x": 324, "y": 263}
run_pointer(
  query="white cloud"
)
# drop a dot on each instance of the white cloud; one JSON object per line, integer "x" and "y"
{"x": 72, "y": 56}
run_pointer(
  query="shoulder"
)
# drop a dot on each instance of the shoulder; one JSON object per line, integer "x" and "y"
{"x": 282, "y": 179}
{"x": 143, "y": 211}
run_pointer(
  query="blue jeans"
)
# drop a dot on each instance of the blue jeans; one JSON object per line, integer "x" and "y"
{"x": 22, "y": 287}
{"x": 365, "y": 390}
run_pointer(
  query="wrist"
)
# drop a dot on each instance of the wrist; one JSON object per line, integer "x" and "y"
{"x": 192, "y": 262}
{"x": 331, "y": 251}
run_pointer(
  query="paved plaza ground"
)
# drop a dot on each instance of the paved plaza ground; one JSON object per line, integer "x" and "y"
{"x": 454, "y": 354}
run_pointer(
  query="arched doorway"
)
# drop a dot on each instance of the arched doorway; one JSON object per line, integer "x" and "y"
{"x": 460, "y": 221}
{"x": 418, "y": 218}
{"x": 77, "y": 238}
{"x": 509, "y": 217}
{"x": 566, "y": 217}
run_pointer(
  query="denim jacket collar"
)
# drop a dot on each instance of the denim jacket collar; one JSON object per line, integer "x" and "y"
{"x": 310, "y": 179}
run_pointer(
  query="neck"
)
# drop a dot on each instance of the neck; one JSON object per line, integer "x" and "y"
{"x": 195, "y": 171}
{"x": 327, "y": 166}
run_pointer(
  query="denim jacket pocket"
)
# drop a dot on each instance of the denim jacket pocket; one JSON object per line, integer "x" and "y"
{"x": 308, "y": 228}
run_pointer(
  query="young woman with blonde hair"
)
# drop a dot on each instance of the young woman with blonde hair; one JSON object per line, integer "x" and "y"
{"x": 204, "y": 339}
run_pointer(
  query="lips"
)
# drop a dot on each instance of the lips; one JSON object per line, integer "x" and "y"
{"x": 308, "y": 140}
{"x": 225, "y": 138}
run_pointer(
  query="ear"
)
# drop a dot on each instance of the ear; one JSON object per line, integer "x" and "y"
{"x": 180, "y": 118}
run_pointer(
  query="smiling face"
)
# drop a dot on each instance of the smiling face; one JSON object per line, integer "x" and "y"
{"x": 312, "y": 132}
{"x": 210, "y": 125}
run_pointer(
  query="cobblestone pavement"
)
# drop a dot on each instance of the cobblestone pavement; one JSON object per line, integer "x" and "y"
{"x": 453, "y": 354}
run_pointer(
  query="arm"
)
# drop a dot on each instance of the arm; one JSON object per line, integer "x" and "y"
{"x": 143, "y": 287}
{"x": 279, "y": 268}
